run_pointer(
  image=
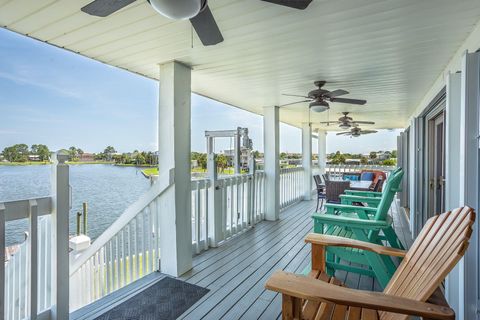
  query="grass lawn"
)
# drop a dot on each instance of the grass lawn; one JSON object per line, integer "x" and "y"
{"x": 150, "y": 171}
{"x": 26, "y": 163}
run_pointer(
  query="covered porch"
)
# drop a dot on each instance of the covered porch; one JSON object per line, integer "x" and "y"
{"x": 236, "y": 272}
{"x": 414, "y": 62}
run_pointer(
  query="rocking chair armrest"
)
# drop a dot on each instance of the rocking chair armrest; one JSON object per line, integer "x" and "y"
{"x": 302, "y": 287}
{"x": 350, "y": 208}
{"x": 334, "y": 241}
{"x": 354, "y": 223}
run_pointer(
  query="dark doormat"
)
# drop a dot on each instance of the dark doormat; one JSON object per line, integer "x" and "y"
{"x": 167, "y": 299}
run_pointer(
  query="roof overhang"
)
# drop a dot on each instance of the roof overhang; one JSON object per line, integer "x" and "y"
{"x": 387, "y": 52}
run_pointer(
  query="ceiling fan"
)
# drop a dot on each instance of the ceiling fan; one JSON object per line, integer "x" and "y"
{"x": 346, "y": 122}
{"x": 197, "y": 11}
{"x": 318, "y": 98}
{"x": 355, "y": 132}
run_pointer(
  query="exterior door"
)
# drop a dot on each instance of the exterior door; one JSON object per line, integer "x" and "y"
{"x": 435, "y": 164}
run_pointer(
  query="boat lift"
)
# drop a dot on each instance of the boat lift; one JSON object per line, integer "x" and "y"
{"x": 241, "y": 142}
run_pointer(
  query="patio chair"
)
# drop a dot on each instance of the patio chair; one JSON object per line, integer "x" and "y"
{"x": 335, "y": 188}
{"x": 320, "y": 186}
{"x": 355, "y": 222}
{"x": 412, "y": 291}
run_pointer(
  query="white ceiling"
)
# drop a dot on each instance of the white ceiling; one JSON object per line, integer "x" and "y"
{"x": 386, "y": 51}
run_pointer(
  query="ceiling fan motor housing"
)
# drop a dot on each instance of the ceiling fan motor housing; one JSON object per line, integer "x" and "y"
{"x": 178, "y": 9}
{"x": 319, "y": 106}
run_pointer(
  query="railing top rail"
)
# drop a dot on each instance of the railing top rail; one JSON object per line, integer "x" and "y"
{"x": 162, "y": 184}
{"x": 20, "y": 209}
{"x": 294, "y": 169}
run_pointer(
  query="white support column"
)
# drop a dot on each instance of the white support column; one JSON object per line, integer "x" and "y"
{"x": 307, "y": 159}
{"x": 453, "y": 131}
{"x": 271, "y": 137}
{"x": 322, "y": 151}
{"x": 60, "y": 257}
{"x": 174, "y": 154}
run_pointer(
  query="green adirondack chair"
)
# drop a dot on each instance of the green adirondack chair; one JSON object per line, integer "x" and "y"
{"x": 369, "y": 224}
{"x": 372, "y": 198}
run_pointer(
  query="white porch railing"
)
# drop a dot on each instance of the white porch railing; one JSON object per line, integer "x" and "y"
{"x": 347, "y": 168}
{"x": 291, "y": 186}
{"x": 25, "y": 277}
{"x": 130, "y": 248}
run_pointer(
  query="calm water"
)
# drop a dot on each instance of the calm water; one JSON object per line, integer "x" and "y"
{"x": 107, "y": 189}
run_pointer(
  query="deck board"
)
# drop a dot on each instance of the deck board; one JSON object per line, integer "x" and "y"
{"x": 237, "y": 270}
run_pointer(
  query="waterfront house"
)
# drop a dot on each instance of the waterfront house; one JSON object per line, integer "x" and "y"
{"x": 415, "y": 62}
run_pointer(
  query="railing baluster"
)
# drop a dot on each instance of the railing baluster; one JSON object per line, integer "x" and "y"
{"x": 33, "y": 246}
{"x": 2, "y": 260}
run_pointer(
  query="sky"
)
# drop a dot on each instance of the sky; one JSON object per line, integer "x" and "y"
{"x": 55, "y": 97}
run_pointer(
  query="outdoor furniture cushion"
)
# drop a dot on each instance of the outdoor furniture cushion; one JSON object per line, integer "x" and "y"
{"x": 367, "y": 176}
{"x": 351, "y": 177}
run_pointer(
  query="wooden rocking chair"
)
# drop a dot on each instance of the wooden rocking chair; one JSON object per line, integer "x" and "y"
{"x": 413, "y": 289}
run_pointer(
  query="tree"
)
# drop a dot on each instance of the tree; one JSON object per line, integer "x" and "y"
{"x": 16, "y": 153}
{"x": 389, "y": 162}
{"x": 222, "y": 162}
{"x": 43, "y": 152}
{"x": 394, "y": 153}
{"x": 73, "y": 153}
{"x": 363, "y": 160}
{"x": 373, "y": 155}
{"x": 108, "y": 152}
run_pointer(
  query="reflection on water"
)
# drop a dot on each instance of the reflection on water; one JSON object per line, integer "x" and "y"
{"x": 107, "y": 189}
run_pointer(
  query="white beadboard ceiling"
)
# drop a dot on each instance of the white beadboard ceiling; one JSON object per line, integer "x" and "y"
{"x": 388, "y": 52}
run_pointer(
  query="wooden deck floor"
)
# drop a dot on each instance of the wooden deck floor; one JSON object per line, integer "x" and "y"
{"x": 236, "y": 272}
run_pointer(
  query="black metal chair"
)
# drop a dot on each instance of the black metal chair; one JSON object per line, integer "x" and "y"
{"x": 320, "y": 191}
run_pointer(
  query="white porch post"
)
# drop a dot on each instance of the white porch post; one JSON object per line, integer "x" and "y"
{"x": 60, "y": 260}
{"x": 174, "y": 154}
{"x": 322, "y": 151}
{"x": 452, "y": 178}
{"x": 307, "y": 159}
{"x": 271, "y": 138}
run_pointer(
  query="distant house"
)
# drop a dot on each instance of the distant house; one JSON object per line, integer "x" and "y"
{"x": 33, "y": 157}
{"x": 87, "y": 157}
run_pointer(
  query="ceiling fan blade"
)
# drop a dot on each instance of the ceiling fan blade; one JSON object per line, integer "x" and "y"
{"x": 296, "y": 4}
{"x": 206, "y": 27}
{"x": 328, "y": 122}
{"x": 293, "y": 95}
{"x": 350, "y": 101}
{"x": 103, "y": 8}
{"x": 288, "y": 104}
{"x": 363, "y": 122}
{"x": 344, "y": 133}
{"x": 336, "y": 93}
{"x": 368, "y": 131}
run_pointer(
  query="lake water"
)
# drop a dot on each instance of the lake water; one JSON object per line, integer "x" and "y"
{"x": 107, "y": 189}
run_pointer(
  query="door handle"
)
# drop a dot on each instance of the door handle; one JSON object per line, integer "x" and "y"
{"x": 431, "y": 183}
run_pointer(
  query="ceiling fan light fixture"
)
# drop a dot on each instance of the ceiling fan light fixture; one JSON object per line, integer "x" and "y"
{"x": 319, "y": 106}
{"x": 344, "y": 126}
{"x": 178, "y": 9}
